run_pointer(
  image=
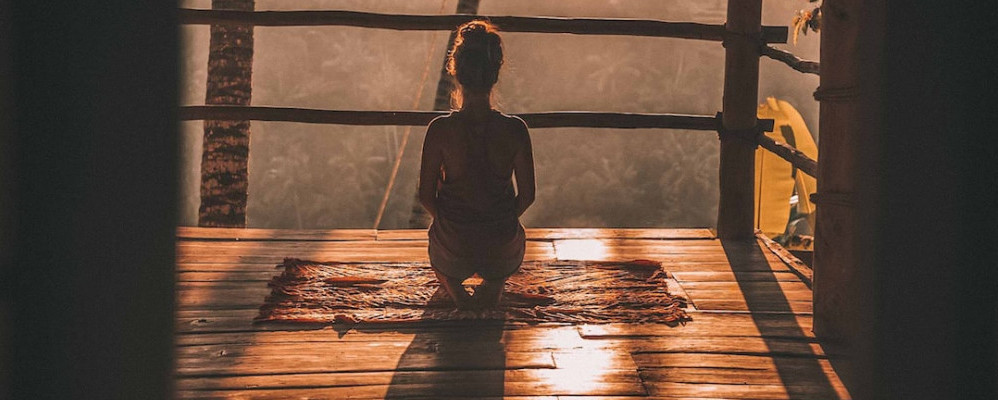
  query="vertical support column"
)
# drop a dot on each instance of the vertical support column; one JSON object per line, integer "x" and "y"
{"x": 852, "y": 56}
{"x": 224, "y": 172}
{"x": 741, "y": 92}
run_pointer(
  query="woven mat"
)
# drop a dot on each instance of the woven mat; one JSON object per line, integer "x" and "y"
{"x": 560, "y": 292}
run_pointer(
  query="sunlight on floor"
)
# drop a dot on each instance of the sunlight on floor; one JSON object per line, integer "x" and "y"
{"x": 580, "y": 371}
{"x": 581, "y": 249}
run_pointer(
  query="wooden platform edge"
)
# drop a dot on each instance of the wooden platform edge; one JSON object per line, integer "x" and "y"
{"x": 334, "y": 235}
{"x": 797, "y": 266}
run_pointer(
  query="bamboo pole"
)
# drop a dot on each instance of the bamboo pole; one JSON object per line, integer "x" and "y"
{"x": 787, "y": 152}
{"x": 791, "y": 60}
{"x": 741, "y": 92}
{"x": 421, "y": 118}
{"x": 581, "y": 26}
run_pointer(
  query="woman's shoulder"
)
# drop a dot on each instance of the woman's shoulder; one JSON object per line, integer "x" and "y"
{"x": 512, "y": 121}
{"x": 441, "y": 124}
{"x": 443, "y": 120}
{"x": 515, "y": 126}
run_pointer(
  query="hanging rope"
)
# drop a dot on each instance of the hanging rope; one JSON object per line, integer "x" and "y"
{"x": 408, "y": 129}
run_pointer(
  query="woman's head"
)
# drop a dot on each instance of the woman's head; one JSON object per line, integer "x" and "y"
{"x": 475, "y": 59}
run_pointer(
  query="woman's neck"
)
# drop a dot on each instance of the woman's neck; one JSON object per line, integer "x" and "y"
{"x": 476, "y": 104}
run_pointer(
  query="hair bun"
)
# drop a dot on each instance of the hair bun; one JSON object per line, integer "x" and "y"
{"x": 476, "y": 56}
{"x": 474, "y": 29}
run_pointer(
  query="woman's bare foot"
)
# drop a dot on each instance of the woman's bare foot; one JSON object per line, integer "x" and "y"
{"x": 488, "y": 294}
{"x": 455, "y": 289}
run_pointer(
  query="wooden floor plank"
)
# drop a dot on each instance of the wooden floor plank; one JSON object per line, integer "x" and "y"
{"x": 519, "y": 340}
{"x": 563, "y": 381}
{"x": 523, "y": 338}
{"x": 346, "y": 256}
{"x": 789, "y": 326}
{"x": 778, "y": 391}
{"x": 226, "y": 267}
{"x": 613, "y": 233}
{"x": 190, "y": 232}
{"x": 355, "y": 361}
{"x": 576, "y": 233}
{"x": 193, "y": 321}
{"x": 740, "y": 376}
{"x": 231, "y": 276}
{"x": 709, "y": 276}
{"x": 418, "y": 391}
{"x": 670, "y": 262}
{"x": 741, "y": 286}
{"x": 798, "y": 307}
{"x": 711, "y": 360}
{"x": 751, "y": 295}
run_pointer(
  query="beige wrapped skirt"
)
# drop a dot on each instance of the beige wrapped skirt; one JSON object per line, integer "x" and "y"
{"x": 493, "y": 250}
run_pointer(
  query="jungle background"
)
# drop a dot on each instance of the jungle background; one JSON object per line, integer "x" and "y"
{"x": 331, "y": 176}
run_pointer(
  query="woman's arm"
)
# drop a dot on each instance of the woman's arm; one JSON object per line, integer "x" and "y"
{"x": 429, "y": 169}
{"x": 523, "y": 167}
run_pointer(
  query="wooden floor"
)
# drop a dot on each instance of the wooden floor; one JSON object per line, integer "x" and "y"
{"x": 750, "y": 336}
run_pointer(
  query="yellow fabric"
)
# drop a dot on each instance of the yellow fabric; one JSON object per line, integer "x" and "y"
{"x": 774, "y": 180}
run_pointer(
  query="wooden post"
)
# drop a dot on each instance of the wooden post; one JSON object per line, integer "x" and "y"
{"x": 741, "y": 92}
{"x": 846, "y": 220}
{"x": 224, "y": 173}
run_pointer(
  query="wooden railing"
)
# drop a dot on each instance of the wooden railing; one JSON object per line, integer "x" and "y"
{"x": 792, "y": 61}
{"x": 579, "y": 26}
{"x": 565, "y": 119}
{"x": 745, "y": 40}
{"x": 421, "y": 118}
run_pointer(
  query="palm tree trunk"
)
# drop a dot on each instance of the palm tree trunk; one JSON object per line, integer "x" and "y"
{"x": 419, "y": 218}
{"x": 224, "y": 173}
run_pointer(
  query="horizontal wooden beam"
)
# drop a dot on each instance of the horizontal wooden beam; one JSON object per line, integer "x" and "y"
{"x": 795, "y": 157}
{"x": 421, "y": 118}
{"x": 579, "y": 26}
{"x": 788, "y": 58}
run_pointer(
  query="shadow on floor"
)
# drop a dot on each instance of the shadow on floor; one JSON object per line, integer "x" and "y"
{"x": 466, "y": 359}
{"x": 803, "y": 376}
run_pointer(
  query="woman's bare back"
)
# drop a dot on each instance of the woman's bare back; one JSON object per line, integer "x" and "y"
{"x": 497, "y": 133}
{"x": 471, "y": 159}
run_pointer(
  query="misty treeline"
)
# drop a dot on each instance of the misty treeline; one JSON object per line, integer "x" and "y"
{"x": 331, "y": 176}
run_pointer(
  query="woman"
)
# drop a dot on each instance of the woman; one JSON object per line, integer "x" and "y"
{"x": 465, "y": 179}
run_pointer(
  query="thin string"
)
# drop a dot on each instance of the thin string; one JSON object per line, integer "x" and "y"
{"x": 408, "y": 129}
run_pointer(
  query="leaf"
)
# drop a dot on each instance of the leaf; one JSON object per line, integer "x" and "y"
{"x": 801, "y": 21}
{"x": 815, "y": 21}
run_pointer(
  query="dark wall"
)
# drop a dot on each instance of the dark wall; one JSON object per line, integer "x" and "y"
{"x": 6, "y": 174}
{"x": 935, "y": 229}
{"x": 89, "y": 150}
{"x": 906, "y": 270}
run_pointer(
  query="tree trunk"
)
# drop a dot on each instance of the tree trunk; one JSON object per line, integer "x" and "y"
{"x": 224, "y": 174}
{"x": 419, "y": 218}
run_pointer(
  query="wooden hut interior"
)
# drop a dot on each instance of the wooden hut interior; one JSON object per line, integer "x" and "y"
{"x": 104, "y": 296}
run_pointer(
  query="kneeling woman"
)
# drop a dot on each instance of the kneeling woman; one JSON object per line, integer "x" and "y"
{"x": 466, "y": 176}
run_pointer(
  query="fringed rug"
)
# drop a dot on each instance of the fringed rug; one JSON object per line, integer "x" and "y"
{"x": 559, "y": 292}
